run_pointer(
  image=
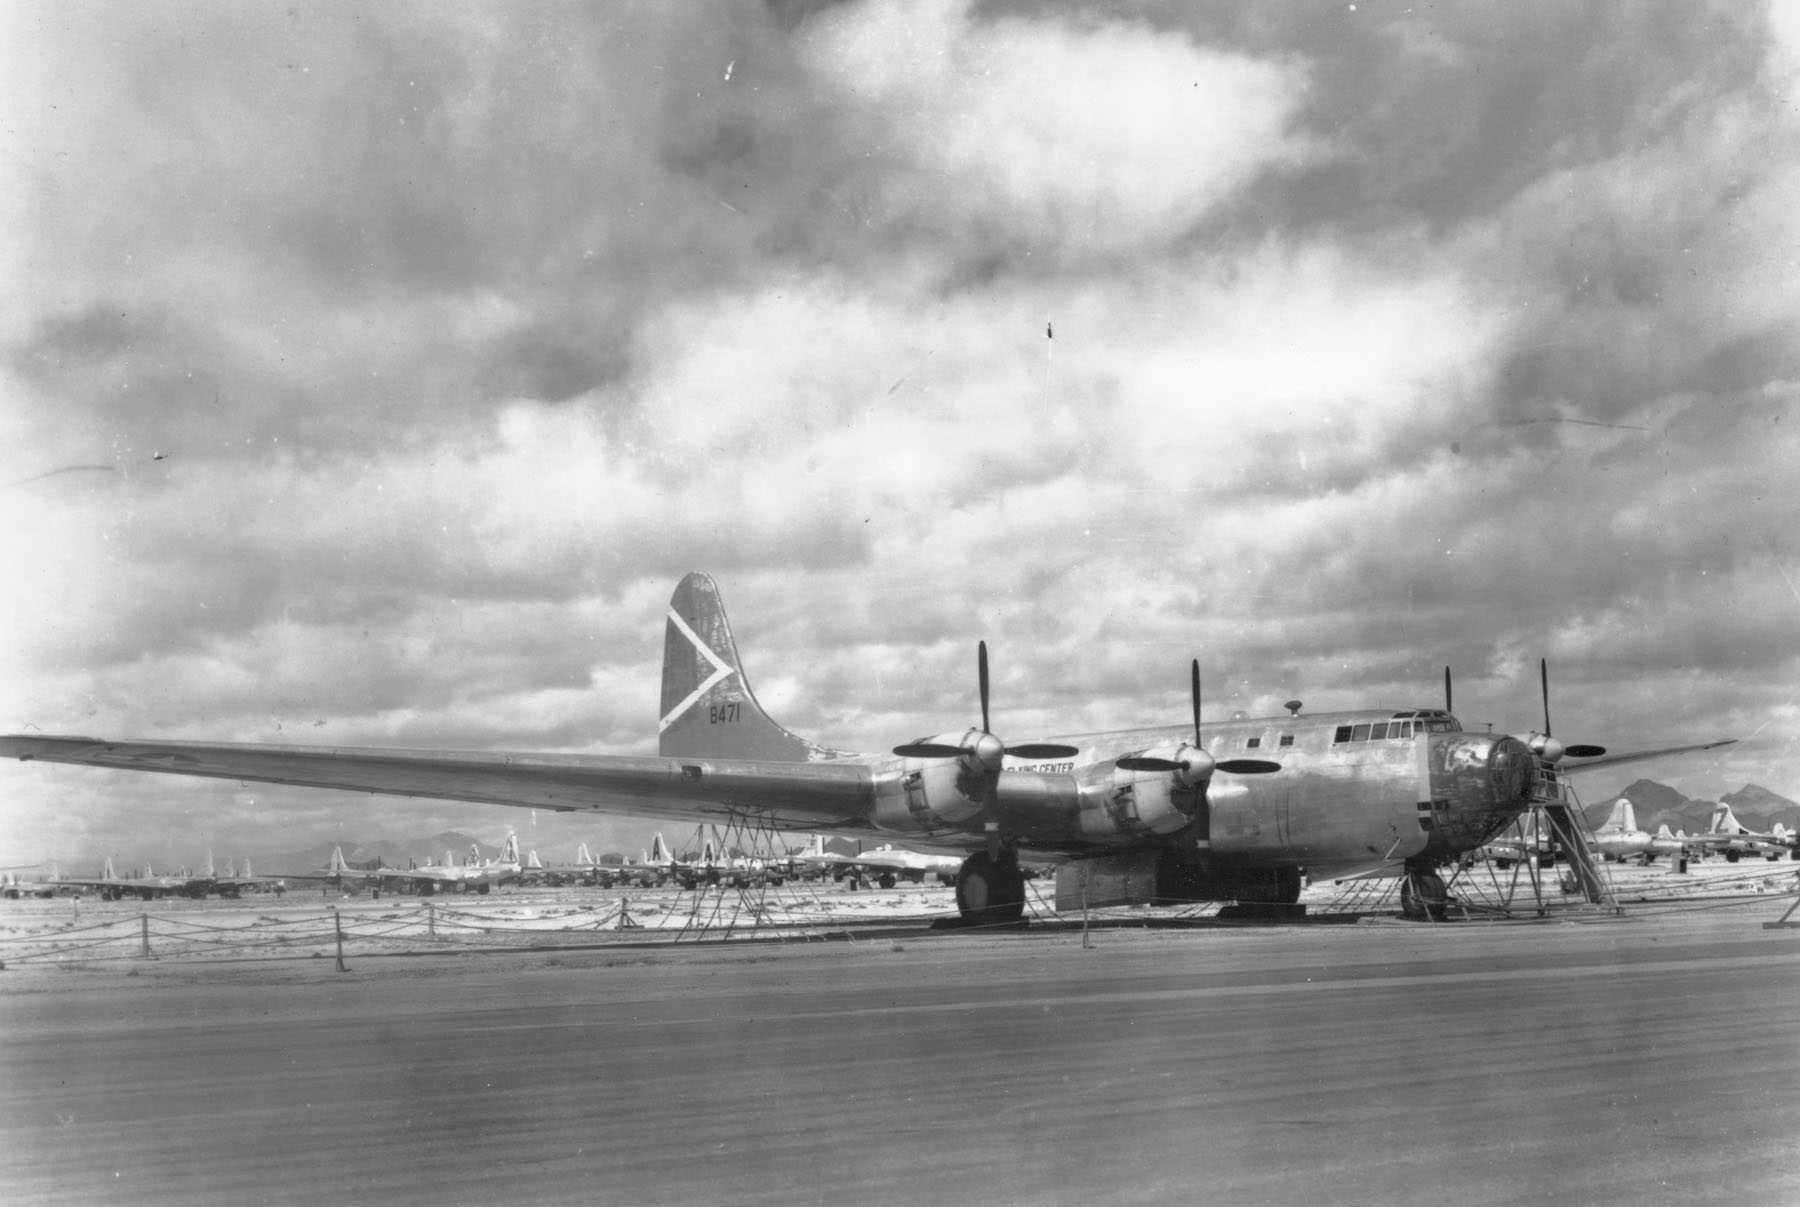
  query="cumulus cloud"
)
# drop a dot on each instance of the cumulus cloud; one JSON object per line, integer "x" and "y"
{"x": 402, "y": 359}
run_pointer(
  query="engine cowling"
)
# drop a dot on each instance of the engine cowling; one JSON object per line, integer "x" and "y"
{"x": 936, "y": 793}
{"x": 1123, "y": 803}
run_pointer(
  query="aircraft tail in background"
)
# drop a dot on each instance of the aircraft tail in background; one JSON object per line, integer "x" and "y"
{"x": 659, "y": 851}
{"x": 1622, "y": 820}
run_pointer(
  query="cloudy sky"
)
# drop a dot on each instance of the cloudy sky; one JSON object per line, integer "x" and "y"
{"x": 372, "y": 373}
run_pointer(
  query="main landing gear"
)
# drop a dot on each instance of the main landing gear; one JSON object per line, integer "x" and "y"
{"x": 1423, "y": 896}
{"x": 990, "y": 890}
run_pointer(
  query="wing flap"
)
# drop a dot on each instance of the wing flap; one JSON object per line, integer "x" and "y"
{"x": 799, "y": 794}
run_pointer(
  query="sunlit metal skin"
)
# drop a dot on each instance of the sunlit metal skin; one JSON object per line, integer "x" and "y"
{"x": 1332, "y": 806}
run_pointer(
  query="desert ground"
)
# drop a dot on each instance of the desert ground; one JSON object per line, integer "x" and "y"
{"x": 1588, "y": 1056}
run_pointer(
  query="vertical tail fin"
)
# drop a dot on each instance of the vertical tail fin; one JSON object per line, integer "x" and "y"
{"x": 707, "y": 705}
{"x": 337, "y": 860}
{"x": 1722, "y": 820}
{"x": 108, "y": 873}
{"x": 583, "y": 856}
{"x": 1623, "y": 818}
{"x": 659, "y": 851}
{"x": 509, "y": 853}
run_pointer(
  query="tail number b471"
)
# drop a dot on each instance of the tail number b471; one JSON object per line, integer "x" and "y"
{"x": 722, "y": 714}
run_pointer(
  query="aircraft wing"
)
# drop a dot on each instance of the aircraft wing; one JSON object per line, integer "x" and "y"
{"x": 1613, "y": 760}
{"x": 818, "y": 795}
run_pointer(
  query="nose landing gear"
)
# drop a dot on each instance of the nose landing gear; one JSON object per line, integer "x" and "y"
{"x": 1423, "y": 896}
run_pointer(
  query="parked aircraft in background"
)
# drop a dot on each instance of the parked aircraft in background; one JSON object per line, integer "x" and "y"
{"x": 536, "y": 871}
{"x": 473, "y": 875}
{"x": 1731, "y": 836}
{"x": 1619, "y": 838}
{"x": 14, "y": 886}
{"x": 887, "y": 865}
{"x": 339, "y": 873}
{"x": 1239, "y": 810}
{"x": 231, "y": 884}
{"x": 144, "y": 884}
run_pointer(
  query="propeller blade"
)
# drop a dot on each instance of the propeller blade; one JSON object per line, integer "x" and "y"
{"x": 1248, "y": 766}
{"x": 1544, "y": 675}
{"x": 1143, "y": 762}
{"x": 982, "y": 674}
{"x": 928, "y": 750}
{"x": 1196, "y": 694}
{"x": 1447, "y": 707}
{"x": 1043, "y": 750}
{"x": 1584, "y": 752}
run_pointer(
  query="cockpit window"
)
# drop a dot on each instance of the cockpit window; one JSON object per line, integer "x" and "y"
{"x": 1360, "y": 734}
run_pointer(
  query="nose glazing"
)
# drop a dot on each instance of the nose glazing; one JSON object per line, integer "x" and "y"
{"x": 1509, "y": 772}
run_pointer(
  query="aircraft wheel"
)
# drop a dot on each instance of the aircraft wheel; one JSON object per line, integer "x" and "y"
{"x": 1731, "y": 856}
{"x": 483, "y": 889}
{"x": 887, "y": 880}
{"x": 990, "y": 891}
{"x": 1422, "y": 897}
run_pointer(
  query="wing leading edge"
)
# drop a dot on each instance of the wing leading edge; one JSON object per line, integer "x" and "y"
{"x": 1613, "y": 760}
{"x": 820, "y": 794}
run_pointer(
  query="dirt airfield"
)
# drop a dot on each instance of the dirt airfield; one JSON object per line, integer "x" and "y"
{"x": 1586, "y": 1058}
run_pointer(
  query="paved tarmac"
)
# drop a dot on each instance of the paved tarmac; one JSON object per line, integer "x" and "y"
{"x": 1619, "y": 1062}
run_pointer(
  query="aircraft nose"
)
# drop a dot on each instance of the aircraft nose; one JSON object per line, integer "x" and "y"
{"x": 1509, "y": 772}
{"x": 1483, "y": 780}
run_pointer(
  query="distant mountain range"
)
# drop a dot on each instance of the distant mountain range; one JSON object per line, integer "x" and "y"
{"x": 1659, "y": 805}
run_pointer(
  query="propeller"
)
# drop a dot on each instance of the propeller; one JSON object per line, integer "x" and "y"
{"x": 987, "y": 749}
{"x": 1551, "y": 750}
{"x": 1447, "y": 707}
{"x": 1193, "y": 764}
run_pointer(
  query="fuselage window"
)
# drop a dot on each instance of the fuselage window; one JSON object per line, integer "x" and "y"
{"x": 1400, "y": 729}
{"x": 1287, "y": 739}
{"x": 1342, "y": 734}
{"x": 1360, "y": 734}
{"x": 1378, "y": 731}
{"x": 1252, "y": 743}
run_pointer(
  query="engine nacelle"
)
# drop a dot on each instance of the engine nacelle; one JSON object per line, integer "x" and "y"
{"x": 935, "y": 793}
{"x": 1122, "y": 804}
{"x": 1548, "y": 750}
